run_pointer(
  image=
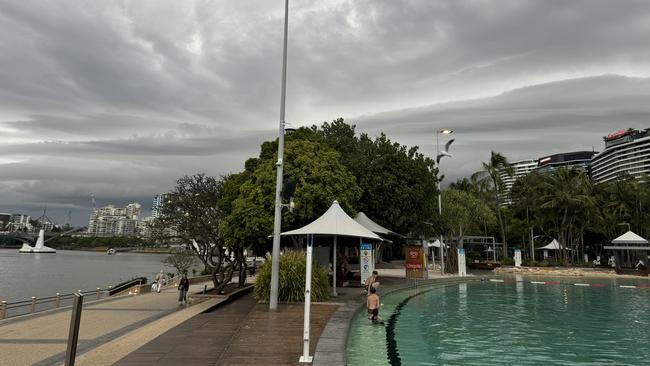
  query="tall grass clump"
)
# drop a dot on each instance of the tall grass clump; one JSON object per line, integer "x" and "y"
{"x": 292, "y": 279}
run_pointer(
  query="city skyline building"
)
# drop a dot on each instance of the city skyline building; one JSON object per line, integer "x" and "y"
{"x": 520, "y": 168}
{"x": 627, "y": 152}
{"x": 575, "y": 159}
{"x": 115, "y": 221}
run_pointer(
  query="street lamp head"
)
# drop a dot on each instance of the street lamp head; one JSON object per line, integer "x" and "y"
{"x": 445, "y": 131}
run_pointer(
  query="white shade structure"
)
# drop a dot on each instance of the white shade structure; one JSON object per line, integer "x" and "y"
{"x": 366, "y": 222}
{"x": 553, "y": 245}
{"x": 334, "y": 222}
{"x": 435, "y": 244}
{"x": 629, "y": 238}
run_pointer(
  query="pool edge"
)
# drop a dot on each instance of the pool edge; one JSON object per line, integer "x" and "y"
{"x": 331, "y": 348}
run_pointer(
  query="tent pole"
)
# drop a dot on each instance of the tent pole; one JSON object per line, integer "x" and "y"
{"x": 305, "y": 339}
{"x": 334, "y": 270}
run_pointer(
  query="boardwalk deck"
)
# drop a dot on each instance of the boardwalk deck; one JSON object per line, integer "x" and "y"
{"x": 240, "y": 333}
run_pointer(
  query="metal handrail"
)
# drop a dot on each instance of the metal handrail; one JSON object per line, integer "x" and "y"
{"x": 32, "y": 304}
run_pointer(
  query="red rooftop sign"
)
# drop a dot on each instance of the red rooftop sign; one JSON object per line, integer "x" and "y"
{"x": 616, "y": 134}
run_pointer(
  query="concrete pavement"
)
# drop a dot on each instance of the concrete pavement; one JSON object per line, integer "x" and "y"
{"x": 40, "y": 339}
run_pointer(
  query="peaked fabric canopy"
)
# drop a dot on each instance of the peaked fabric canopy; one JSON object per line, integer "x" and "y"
{"x": 334, "y": 222}
{"x": 366, "y": 222}
{"x": 435, "y": 244}
{"x": 629, "y": 238}
{"x": 554, "y": 245}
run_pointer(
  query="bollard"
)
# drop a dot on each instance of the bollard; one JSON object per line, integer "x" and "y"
{"x": 57, "y": 300}
{"x": 97, "y": 293}
{"x": 73, "y": 334}
{"x": 33, "y": 307}
{"x": 3, "y": 309}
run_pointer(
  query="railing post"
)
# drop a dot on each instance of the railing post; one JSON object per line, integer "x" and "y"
{"x": 33, "y": 307}
{"x": 73, "y": 334}
{"x": 3, "y": 309}
{"x": 97, "y": 293}
{"x": 57, "y": 301}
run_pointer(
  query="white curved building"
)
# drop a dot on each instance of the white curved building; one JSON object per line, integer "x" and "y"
{"x": 627, "y": 152}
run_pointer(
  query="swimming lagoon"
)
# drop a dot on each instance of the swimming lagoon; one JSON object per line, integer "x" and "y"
{"x": 515, "y": 322}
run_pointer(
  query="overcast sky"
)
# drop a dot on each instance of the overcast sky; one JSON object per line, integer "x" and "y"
{"x": 120, "y": 98}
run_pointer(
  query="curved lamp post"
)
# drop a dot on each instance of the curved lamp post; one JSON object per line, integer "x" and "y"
{"x": 439, "y": 155}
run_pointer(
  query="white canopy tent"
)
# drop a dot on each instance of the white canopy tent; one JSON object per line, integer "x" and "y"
{"x": 334, "y": 222}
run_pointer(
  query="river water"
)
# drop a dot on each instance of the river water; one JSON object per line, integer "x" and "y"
{"x": 25, "y": 275}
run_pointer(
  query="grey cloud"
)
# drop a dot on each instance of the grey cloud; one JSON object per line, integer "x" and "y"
{"x": 527, "y": 123}
{"x": 132, "y": 94}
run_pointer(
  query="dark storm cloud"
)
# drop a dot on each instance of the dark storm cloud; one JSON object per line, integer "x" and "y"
{"x": 120, "y": 98}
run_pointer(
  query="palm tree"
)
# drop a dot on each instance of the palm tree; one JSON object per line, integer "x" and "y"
{"x": 490, "y": 177}
{"x": 567, "y": 197}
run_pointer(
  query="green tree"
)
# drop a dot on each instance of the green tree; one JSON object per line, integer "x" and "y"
{"x": 490, "y": 177}
{"x": 398, "y": 183}
{"x": 567, "y": 196}
{"x": 320, "y": 179}
{"x": 192, "y": 209}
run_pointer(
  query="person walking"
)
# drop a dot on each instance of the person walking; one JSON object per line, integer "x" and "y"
{"x": 183, "y": 287}
{"x": 158, "y": 281}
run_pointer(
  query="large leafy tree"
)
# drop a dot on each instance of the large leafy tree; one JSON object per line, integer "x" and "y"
{"x": 319, "y": 179}
{"x": 192, "y": 209}
{"x": 398, "y": 182}
{"x": 490, "y": 177}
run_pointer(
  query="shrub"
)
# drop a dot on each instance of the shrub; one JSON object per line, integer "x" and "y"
{"x": 292, "y": 279}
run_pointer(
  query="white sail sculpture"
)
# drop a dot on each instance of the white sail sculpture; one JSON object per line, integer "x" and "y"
{"x": 39, "y": 247}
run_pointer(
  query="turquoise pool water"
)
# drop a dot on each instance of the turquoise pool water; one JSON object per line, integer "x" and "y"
{"x": 511, "y": 323}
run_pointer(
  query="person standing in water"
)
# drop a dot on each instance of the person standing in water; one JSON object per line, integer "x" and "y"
{"x": 373, "y": 305}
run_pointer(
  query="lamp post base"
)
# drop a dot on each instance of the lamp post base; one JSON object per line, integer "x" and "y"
{"x": 307, "y": 359}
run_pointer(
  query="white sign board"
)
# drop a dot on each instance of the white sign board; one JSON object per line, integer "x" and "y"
{"x": 517, "y": 257}
{"x": 366, "y": 264}
{"x": 462, "y": 270}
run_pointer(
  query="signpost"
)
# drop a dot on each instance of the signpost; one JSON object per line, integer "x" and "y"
{"x": 462, "y": 268}
{"x": 517, "y": 257}
{"x": 414, "y": 262}
{"x": 366, "y": 263}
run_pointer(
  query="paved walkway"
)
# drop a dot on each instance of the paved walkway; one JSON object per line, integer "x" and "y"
{"x": 41, "y": 339}
{"x": 244, "y": 332}
{"x": 240, "y": 333}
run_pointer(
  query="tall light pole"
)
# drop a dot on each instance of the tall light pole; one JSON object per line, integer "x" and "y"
{"x": 439, "y": 155}
{"x": 277, "y": 221}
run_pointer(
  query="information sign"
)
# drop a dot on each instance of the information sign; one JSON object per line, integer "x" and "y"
{"x": 366, "y": 264}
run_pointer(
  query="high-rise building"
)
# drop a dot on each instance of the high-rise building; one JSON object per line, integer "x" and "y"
{"x": 627, "y": 152}
{"x": 5, "y": 219}
{"x": 156, "y": 207}
{"x": 114, "y": 221}
{"x": 576, "y": 159}
{"x": 20, "y": 222}
{"x": 519, "y": 169}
